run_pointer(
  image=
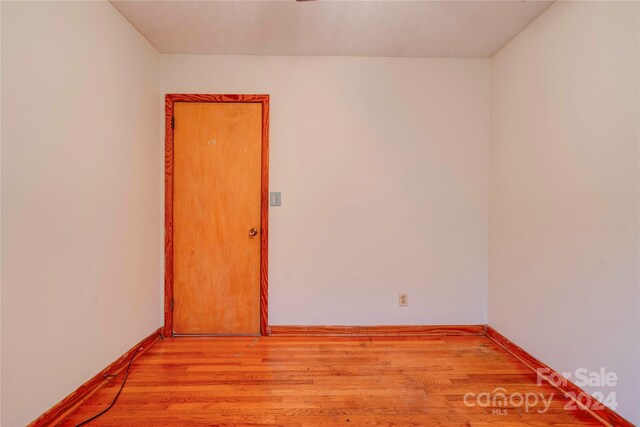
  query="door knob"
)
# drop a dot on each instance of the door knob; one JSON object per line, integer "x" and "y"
{"x": 253, "y": 232}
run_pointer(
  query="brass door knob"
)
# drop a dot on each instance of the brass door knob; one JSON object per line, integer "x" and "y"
{"x": 253, "y": 232}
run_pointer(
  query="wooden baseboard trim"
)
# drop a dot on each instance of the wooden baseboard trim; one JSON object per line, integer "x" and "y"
{"x": 59, "y": 411}
{"x": 376, "y": 331}
{"x": 571, "y": 391}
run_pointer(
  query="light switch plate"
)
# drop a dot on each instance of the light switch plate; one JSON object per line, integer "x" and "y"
{"x": 275, "y": 198}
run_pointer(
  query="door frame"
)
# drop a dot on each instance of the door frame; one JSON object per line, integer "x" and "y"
{"x": 170, "y": 99}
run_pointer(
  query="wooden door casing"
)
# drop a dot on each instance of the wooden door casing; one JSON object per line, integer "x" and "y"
{"x": 170, "y": 101}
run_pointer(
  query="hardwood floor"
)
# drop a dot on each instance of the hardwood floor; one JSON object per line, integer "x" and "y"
{"x": 337, "y": 381}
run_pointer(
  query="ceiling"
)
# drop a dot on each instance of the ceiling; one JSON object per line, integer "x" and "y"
{"x": 449, "y": 29}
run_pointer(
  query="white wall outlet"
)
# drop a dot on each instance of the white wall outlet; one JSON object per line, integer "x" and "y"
{"x": 403, "y": 299}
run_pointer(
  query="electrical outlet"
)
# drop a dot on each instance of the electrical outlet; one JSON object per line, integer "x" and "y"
{"x": 404, "y": 300}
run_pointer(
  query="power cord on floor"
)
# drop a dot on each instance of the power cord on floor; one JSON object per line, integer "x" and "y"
{"x": 124, "y": 381}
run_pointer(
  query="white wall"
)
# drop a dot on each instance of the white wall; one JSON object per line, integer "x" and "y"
{"x": 81, "y": 198}
{"x": 383, "y": 168}
{"x": 564, "y": 281}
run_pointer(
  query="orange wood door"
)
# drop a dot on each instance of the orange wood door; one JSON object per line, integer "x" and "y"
{"x": 216, "y": 202}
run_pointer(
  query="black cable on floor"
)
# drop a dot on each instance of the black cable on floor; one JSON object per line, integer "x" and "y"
{"x": 124, "y": 381}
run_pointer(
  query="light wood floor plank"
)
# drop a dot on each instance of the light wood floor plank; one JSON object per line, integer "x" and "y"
{"x": 311, "y": 381}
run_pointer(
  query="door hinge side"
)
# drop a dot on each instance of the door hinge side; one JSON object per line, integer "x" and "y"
{"x": 173, "y": 122}
{"x": 171, "y": 304}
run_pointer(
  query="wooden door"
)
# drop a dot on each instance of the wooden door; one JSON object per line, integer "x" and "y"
{"x": 216, "y": 217}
